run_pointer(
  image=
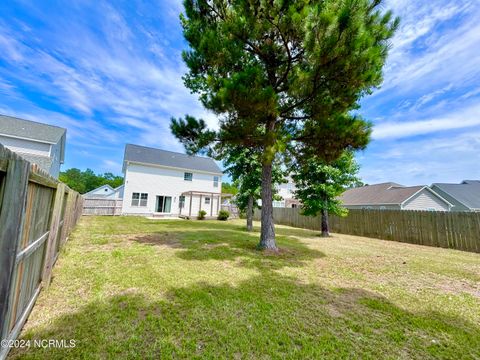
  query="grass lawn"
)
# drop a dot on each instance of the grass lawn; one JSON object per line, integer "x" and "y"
{"x": 127, "y": 287}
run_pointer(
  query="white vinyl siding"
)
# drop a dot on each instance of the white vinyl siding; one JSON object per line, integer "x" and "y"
{"x": 25, "y": 146}
{"x": 425, "y": 200}
{"x": 160, "y": 181}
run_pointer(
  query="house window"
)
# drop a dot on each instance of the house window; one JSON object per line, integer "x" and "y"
{"x": 278, "y": 203}
{"x": 135, "y": 199}
{"x": 181, "y": 201}
{"x": 294, "y": 206}
{"x": 215, "y": 181}
{"x": 207, "y": 201}
{"x": 187, "y": 176}
{"x": 164, "y": 204}
{"x": 139, "y": 199}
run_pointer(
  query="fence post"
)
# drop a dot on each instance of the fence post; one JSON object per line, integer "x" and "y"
{"x": 54, "y": 227}
{"x": 11, "y": 218}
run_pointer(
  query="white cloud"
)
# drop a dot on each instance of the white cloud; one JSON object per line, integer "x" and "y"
{"x": 450, "y": 157}
{"x": 107, "y": 77}
{"x": 458, "y": 119}
{"x": 429, "y": 54}
{"x": 112, "y": 166}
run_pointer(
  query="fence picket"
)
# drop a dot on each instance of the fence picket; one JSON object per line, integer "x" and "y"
{"x": 26, "y": 200}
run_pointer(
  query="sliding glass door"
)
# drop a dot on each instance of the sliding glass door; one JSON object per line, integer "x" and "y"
{"x": 164, "y": 204}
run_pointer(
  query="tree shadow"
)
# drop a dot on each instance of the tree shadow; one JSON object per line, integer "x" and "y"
{"x": 231, "y": 243}
{"x": 266, "y": 316}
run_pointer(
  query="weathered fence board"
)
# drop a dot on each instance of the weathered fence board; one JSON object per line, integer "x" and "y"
{"x": 454, "y": 230}
{"x": 32, "y": 212}
{"x": 102, "y": 206}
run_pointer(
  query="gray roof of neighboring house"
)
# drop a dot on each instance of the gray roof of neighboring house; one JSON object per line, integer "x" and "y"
{"x": 467, "y": 192}
{"x": 379, "y": 194}
{"x": 34, "y": 130}
{"x": 147, "y": 155}
{"x": 30, "y": 129}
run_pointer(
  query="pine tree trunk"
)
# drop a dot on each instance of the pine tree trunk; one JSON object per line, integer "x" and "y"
{"x": 267, "y": 237}
{"x": 325, "y": 229}
{"x": 250, "y": 213}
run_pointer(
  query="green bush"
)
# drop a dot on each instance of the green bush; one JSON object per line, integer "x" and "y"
{"x": 223, "y": 215}
{"x": 201, "y": 214}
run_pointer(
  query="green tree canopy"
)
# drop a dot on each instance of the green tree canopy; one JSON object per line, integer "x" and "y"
{"x": 319, "y": 184}
{"x": 85, "y": 181}
{"x": 228, "y": 188}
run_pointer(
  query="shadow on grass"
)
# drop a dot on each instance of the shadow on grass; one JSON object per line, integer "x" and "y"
{"x": 267, "y": 316}
{"x": 231, "y": 243}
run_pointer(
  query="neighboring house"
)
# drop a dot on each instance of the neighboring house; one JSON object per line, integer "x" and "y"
{"x": 392, "y": 196}
{"x": 106, "y": 192}
{"x": 286, "y": 191}
{"x": 464, "y": 196}
{"x": 165, "y": 183}
{"x": 39, "y": 143}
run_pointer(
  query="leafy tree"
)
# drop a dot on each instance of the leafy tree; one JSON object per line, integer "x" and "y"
{"x": 319, "y": 184}
{"x": 85, "y": 181}
{"x": 281, "y": 73}
{"x": 74, "y": 179}
{"x": 228, "y": 188}
{"x": 112, "y": 180}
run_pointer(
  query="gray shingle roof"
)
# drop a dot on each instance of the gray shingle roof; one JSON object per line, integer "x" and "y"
{"x": 468, "y": 192}
{"x": 30, "y": 129}
{"x": 147, "y": 155}
{"x": 379, "y": 194}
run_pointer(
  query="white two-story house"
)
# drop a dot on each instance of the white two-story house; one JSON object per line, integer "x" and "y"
{"x": 286, "y": 191}
{"x": 166, "y": 183}
{"x": 38, "y": 143}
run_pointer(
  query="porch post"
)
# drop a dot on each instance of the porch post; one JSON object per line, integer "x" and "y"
{"x": 200, "y": 206}
{"x": 190, "y": 209}
{"x": 218, "y": 202}
{"x": 179, "y": 207}
{"x": 211, "y": 205}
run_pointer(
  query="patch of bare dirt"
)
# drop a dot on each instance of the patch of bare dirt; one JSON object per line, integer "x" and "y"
{"x": 158, "y": 239}
{"x": 457, "y": 287}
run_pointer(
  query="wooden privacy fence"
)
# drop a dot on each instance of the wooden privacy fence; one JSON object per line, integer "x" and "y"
{"x": 453, "y": 230}
{"x": 102, "y": 206}
{"x": 37, "y": 214}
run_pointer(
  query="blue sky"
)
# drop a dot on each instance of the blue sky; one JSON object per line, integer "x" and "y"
{"x": 110, "y": 72}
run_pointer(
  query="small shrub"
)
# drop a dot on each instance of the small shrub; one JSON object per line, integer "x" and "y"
{"x": 201, "y": 214}
{"x": 223, "y": 215}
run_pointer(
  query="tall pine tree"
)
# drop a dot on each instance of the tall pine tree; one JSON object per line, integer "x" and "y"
{"x": 283, "y": 72}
